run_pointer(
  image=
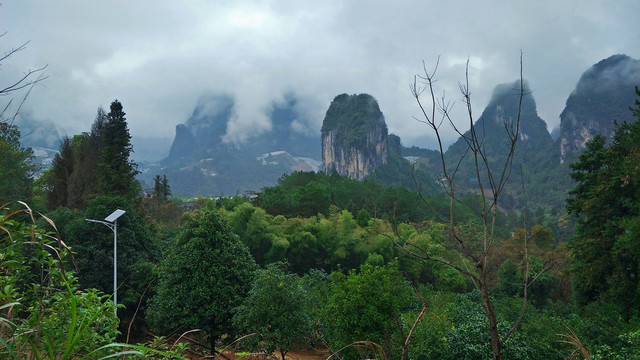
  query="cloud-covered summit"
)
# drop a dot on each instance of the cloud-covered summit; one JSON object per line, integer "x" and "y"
{"x": 158, "y": 58}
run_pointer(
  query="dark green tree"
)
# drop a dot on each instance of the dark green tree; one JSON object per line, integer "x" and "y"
{"x": 161, "y": 187}
{"x": 363, "y": 306}
{"x": 16, "y": 166}
{"x": 605, "y": 202}
{"x": 116, "y": 172}
{"x": 276, "y": 307}
{"x": 73, "y": 179}
{"x": 166, "y": 189}
{"x": 57, "y": 177}
{"x": 93, "y": 244}
{"x": 206, "y": 272}
{"x": 157, "y": 186}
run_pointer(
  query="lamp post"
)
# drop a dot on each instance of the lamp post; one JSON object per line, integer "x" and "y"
{"x": 111, "y": 222}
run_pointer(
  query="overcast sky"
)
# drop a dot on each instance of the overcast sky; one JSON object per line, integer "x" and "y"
{"x": 158, "y": 57}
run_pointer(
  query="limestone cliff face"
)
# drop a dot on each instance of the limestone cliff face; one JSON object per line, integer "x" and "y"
{"x": 603, "y": 94}
{"x": 354, "y": 136}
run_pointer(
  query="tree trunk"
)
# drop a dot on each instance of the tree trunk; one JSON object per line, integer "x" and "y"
{"x": 493, "y": 322}
{"x": 212, "y": 343}
{"x": 212, "y": 337}
{"x": 386, "y": 341}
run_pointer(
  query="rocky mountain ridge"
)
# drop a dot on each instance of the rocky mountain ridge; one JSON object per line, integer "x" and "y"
{"x": 201, "y": 162}
{"x": 354, "y": 136}
{"x": 602, "y": 95}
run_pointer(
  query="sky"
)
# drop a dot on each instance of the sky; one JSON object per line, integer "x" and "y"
{"x": 158, "y": 57}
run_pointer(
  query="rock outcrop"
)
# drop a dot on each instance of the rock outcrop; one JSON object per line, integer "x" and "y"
{"x": 603, "y": 95}
{"x": 354, "y": 136}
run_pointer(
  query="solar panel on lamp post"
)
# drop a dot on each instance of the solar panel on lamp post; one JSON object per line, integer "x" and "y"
{"x": 111, "y": 222}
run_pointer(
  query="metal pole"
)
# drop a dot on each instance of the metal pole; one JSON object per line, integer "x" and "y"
{"x": 115, "y": 266}
{"x": 111, "y": 222}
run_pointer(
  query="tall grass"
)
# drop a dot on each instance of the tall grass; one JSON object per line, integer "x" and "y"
{"x": 43, "y": 312}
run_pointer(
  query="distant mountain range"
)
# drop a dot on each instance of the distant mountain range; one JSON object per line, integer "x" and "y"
{"x": 203, "y": 161}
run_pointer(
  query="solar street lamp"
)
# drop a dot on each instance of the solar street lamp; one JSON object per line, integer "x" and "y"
{"x": 111, "y": 222}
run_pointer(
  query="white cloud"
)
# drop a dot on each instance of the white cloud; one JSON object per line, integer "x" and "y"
{"x": 159, "y": 57}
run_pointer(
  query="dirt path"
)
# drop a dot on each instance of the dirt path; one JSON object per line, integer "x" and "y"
{"x": 303, "y": 354}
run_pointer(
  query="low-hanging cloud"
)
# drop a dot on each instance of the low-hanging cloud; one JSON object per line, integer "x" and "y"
{"x": 159, "y": 58}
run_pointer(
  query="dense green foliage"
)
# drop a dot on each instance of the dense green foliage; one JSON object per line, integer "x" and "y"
{"x": 43, "y": 311}
{"x": 205, "y": 273}
{"x": 16, "y": 166}
{"x": 340, "y": 241}
{"x": 222, "y": 266}
{"x": 93, "y": 164}
{"x": 308, "y": 194}
{"x": 93, "y": 244}
{"x": 276, "y": 308}
{"x": 363, "y": 306}
{"x": 605, "y": 201}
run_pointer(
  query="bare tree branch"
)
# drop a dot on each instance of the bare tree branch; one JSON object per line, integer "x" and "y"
{"x": 491, "y": 180}
{"x": 407, "y": 340}
{"x": 27, "y": 80}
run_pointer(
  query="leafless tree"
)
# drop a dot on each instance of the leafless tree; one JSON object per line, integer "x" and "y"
{"x": 27, "y": 80}
{"x": 475, "y": 255}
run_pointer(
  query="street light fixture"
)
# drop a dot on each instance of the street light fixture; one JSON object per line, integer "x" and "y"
{"x": 111, "y": 222}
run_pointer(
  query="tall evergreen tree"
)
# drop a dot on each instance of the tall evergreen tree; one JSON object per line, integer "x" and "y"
{"x": 161, "y": 187}
{"x": 93, "y": 164}
{"x": 157, "y": 186}
{"x": 166, "y": 189}
{"x": 116, "y": 172}
{"x": 58, "y": 176}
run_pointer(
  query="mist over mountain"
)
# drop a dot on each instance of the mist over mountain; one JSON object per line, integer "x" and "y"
{"x": 37, "y": 133}
{"x": 501, "y": 112}
{"x": 150, "y": 149}
{"x": 204, "y": 160}
{"x": 534, "y": 147}
{"x": 603, "y": 95}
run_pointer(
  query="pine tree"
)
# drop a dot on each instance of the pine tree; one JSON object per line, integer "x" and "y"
{"x": 73, "y": 178}
{"x": 161, "y": 187}
{"x": 116, "y": 173}
{"x": 58, "y": 176}
{"x": 157, "y": 186}
{"x": 166, "y": 189}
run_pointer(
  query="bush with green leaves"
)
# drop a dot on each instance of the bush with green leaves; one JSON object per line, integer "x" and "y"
{"x": 43, "y": 313}
{"x": 536, "y": 338}
{"x": 93, "y": 245}
{"x": 364, "y": 305}
{"x": 205, "y": 273}
{"x": 276, "y": 308}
